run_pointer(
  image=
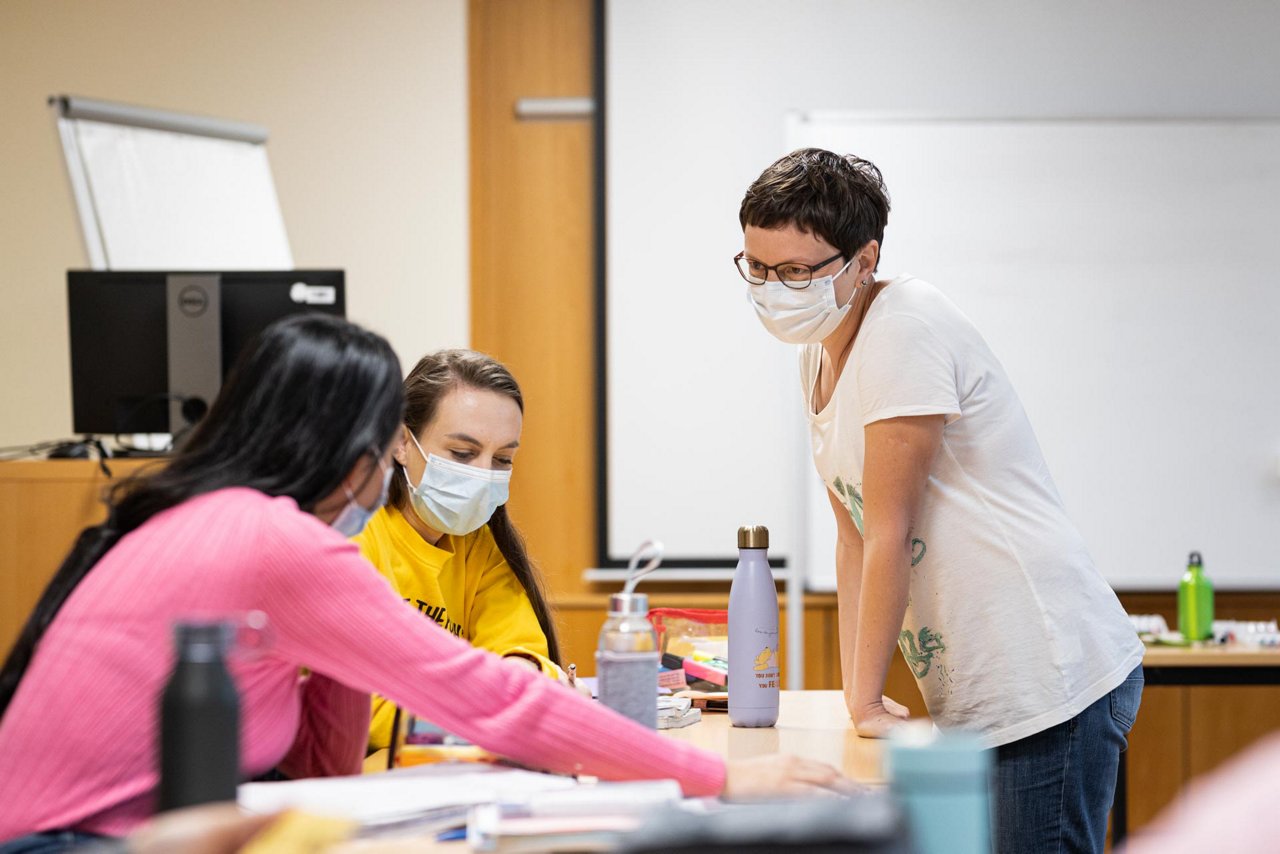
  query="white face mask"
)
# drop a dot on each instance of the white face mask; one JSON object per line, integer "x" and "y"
{"x": 804, "y": 316}
{"x": 353, "y": 517}
{"x": 456, "y": 498}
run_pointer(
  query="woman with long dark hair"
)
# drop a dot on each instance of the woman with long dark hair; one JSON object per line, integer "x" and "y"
{"x": 253, "y": 514}
{"x": 445, "y": 541}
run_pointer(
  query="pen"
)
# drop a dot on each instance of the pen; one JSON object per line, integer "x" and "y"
{"x": 573, "y": 674}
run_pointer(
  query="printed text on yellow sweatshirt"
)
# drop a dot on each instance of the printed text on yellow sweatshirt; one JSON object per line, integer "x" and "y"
{"x": 463, "y": 584}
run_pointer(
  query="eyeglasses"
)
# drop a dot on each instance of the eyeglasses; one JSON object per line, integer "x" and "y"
{"x": 793, "y": 275}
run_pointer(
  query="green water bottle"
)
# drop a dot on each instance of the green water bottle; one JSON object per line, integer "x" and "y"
{"x": 1195, "y": 602}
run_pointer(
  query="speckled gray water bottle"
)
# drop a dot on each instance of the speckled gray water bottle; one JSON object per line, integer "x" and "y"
{"x": 753, "y": 633}
{"x": 627, "y": 654}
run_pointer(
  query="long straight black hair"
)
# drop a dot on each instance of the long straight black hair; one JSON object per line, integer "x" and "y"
{"x": 305, "y": 401}
{"x": 431, "y": 379}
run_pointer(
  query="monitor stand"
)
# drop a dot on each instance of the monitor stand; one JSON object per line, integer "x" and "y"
{"x": 194, "y": 315}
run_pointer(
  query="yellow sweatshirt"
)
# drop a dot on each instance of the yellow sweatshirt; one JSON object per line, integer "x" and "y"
{"x": 464, "y": 584}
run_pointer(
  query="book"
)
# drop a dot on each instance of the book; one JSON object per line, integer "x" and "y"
{"x": 588, "y": 818}
{"x": 707, "y": 701}
{"x": 713, "y": 671}
{"x": 676, "y": 712}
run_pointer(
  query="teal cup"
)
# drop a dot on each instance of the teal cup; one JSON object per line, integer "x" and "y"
{"x": 943, "y": 783}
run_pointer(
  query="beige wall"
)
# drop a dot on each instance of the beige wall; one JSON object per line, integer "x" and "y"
{"x": 366, "y": 106}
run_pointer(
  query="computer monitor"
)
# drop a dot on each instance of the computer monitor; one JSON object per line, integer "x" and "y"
{"x": 149, "y": 349}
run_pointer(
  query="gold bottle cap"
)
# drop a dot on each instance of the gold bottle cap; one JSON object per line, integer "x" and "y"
{"x": 753, "y": 537}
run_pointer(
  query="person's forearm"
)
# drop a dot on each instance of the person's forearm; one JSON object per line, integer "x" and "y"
{"x": 848, "y": 584}
{"x": 882, "y": 602}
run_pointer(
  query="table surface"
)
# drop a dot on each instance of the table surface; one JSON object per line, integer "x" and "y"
{"x": 1216, "y": 655}
{"x": 811, "y": 725}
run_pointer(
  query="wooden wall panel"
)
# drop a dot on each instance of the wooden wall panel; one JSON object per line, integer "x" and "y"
{"x": 1223, "y": 720}
{"x": 43, "y": 506}
{"x": 821, "y": 661}
{"x": 531, "y": 263}
{"x": 1158, "y": 756}
{"x": 901, "y": 686}
{"x": 580, "y": 617}
{"x": 1227, "y": 604}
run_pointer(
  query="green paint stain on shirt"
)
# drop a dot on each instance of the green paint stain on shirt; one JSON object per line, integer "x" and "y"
{"x": 919, "y": 649}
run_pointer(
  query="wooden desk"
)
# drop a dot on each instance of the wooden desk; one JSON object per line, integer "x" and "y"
{"x": 1200, "y": 706}
{"x": 1211, "y": 665}
{"x": 811, "y": 725}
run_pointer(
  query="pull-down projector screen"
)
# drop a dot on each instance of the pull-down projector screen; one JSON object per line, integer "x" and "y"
{"x": 165, "y": 191}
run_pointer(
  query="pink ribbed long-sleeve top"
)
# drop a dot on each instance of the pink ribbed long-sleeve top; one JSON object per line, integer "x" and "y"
{"x": 78, "y": 745}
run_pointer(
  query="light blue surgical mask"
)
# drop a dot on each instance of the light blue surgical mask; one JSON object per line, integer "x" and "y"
{"x": 353, "y": 517}
{"x": 455, "y": 498}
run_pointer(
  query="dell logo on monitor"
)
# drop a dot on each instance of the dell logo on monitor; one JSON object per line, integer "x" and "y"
{"x": 305, "y": 294}
{"x": 193, "y": 301}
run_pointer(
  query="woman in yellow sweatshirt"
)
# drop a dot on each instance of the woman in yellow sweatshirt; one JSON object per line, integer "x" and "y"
{"x": 444, "y": 539}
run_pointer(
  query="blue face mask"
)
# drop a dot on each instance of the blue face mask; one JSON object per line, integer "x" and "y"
{"x": 455, "y": 498}
{"x": 352, "y": 519}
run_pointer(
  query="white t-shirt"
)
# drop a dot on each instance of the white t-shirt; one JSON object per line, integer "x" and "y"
{"x": 1010, "y": 628}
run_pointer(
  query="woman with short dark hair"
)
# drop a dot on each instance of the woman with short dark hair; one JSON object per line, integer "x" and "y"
{"x": 953, "y": 544}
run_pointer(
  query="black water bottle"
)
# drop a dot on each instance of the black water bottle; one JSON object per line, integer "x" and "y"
{"x": 199, "y": 720}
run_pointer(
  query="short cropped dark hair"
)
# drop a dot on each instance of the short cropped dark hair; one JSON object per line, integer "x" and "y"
{"x": 840, "y": 198}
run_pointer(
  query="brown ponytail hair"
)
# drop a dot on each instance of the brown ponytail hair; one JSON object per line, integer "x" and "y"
{"x": 435, "y": 375}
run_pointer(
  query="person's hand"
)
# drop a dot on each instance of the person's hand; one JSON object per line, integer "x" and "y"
{"x": 875, "y": 720}
{"x": 576, "y": 684}
{"x": 207, "y": 829}
{"x": 895, "y": 708}
{"x": 779, "y": 774}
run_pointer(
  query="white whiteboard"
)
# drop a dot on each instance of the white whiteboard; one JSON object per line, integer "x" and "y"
{"x": 158, "y": 190}
{"x": 176, "y": 201}
{"x": 1124, "y": 272}
{"x": 704, "y": 410}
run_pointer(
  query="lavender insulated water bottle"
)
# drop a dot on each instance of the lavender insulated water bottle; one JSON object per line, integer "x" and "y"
{"x": 753, "y": 633}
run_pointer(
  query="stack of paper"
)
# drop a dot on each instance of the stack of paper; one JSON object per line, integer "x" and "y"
{"x": 401, "y": 795}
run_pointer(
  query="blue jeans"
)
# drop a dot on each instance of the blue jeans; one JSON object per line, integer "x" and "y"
{"x": 1054, "y": 789}
{"x": 58, "y": 841}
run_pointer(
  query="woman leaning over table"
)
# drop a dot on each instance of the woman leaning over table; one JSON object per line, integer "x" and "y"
{"x": 253, "y": 513}
{"x": 954, "y": 544}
